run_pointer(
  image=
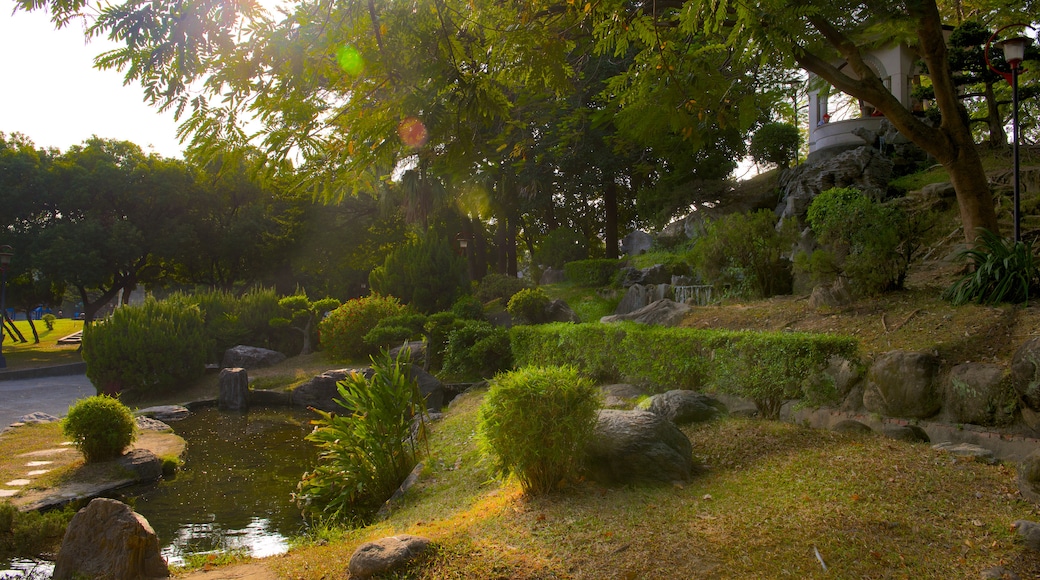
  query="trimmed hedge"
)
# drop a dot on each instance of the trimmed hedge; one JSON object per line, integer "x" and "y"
{"x": 767, "y": 368}
{"x": 591, "y": 273}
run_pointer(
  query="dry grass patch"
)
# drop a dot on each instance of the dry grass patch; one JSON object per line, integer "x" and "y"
{"x": 35, "y": 443}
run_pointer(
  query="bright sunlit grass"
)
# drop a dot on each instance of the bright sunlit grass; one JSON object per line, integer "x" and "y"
{"x": 29, "y": 354}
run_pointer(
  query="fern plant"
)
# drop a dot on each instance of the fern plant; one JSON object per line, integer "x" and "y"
{"x": 1002, "y": 271}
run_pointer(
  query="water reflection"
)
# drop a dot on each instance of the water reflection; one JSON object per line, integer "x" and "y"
{"x": 233, "y": 491}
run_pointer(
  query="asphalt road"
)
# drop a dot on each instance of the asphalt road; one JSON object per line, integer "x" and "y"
{"x": 52, "y": 395}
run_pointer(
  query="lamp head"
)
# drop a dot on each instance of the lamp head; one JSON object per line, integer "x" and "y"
{"x": 1015, "y": 49}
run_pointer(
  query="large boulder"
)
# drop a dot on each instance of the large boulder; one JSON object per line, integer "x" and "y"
{"x": 1028, "y": 478}
{"x": 621, "y": 396}
{"x": 416, "y": 351}
{"x": 635, "y": 297}
{"x": 559, "y": 311}
{"x": 684, "y": 406}
{"x": 660, "y": 313}
{"x": 385, "y": 555}
{"x": 863, "y": 168}
{"x": 430, "y": 387}
{"x": 145, "y": 465}
{"x": 320, "y": 391}
{"x": 107, "y": 539}
{"x": 250, "y": 357}
{"x": 637, "y": 243}
{"x": 903, "y": 384}
{"x": 234, "y": 390}
{"x": 976, "y": 393}
{"x": 1025, "y": 373}
{"x": 638, "y": 445}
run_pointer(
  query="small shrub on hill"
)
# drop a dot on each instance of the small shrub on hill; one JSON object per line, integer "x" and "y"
{"x": 529, "y": 306}
{"x": 424, "y": 274}
{"x": 498, "y": 286}
{"x": 536, "y": 423}
{"x": 366, "y": 452}
{"x": 477, "y": 350}
{"x": 154, "y": 346}
{"x": 344, "y": 329}
{"x": 591, "y": 273}
{"x": 1002, "y": 271}
{"x": 100, "y": 426}
{"x": 468, "y": 308}
{"x": 747, "y": 253}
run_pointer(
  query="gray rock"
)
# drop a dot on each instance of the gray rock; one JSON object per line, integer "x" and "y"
{"x": 834, "y": 295}
{"x": 1025, "y": 372}
{"x": 385, "y": 554}
{"x": 234, "y": 390}
{"x": 637, "y": 243}
{"x": 967, "y": 450}
{"x": 551, "y": 276}
{"x": 1029, "y": 532}
{"x": 145, "y": 464}
{"x": 976, "y": 393}
{"x": 165, "y": 412}
{"x": 863, "y": 168}
{"x": 149, "y": 424}
{"x": 416, "y": 351}
{"x": 638, "y": 445}
{"x": 999, "y": 573}
{"x": 850, "y": 426}
{"x": 621, "y": 396}
{"x": 1028, "y": 477}
{"x": 944, "y": 190}
{"x": 657, "y": 274}
{"x": 661, "y": 313}
{"x": 37, "y": 417}
{"x": 266, "y": 398}
{"x": 845, "y": 374}
{"x": 903, "y": 384}
{"x": 559, "y": 311}
{"x": 320, "y": 391}
{"x": 250, "y": 357}
{"x": 908, "y": 433}
{"x": 107, "y": 539}
{"x": 635, "y": 297}
{"x": 683, "y": 406}
{"x": 430, "y": 387}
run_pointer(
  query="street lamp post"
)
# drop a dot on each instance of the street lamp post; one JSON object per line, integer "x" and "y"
{"x": 5, "y": 260}
{"x": 1014, "y": 53}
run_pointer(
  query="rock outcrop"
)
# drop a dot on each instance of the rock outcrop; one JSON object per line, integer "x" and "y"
{"x": 107, "y": 539}
{"x": 250, "y": 357}
{"x": 638, "y": 445}
{"x": 385, "y": 555}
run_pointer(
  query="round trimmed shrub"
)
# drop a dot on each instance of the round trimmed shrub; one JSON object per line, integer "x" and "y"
{"x": 477, "y": 350}
{"x": 536, "y": 423}
{"x": 498, "y": 286}
{"x": 528, "y": 306}
{"x": 343, "y": 330}
{"x": 100, "y": 426}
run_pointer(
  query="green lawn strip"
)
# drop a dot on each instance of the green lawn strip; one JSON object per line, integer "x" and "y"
{"x": 23, "y": 355}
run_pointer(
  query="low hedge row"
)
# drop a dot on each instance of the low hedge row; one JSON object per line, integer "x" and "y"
{"x": 767, "y": 368}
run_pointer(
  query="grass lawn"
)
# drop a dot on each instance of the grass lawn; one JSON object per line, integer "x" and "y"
{"x": 24, "y": 355}
{"x": 771, "y": 496}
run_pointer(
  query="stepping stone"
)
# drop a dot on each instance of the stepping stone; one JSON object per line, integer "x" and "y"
{"x": 36, "y": 472}
{"x": 38, "y": 463}
{"x": 8, "y": 492}
{"x": 18, "y": 482}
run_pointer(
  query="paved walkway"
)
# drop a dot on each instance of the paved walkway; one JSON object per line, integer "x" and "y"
{"x": 52, "y": 395}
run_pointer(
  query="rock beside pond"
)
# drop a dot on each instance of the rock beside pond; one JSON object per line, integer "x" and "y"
{"x": 385, "y": 554}
{"x": 107, "y": 539}
{"x": 149, "y": 424}
{"x": 250, "y": 357}
{"x": 165, "y": 412}
{"x": 638, "y": 445}
{"x": 145, "y": 464}
{"x": 37, "y": 417}
{"x": 234, "y": 390}
{"x": 683, "y": 406}
{"x": 320, "y": 391}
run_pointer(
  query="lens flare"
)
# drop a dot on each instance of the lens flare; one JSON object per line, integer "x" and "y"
{"x": 350, "y": 60}
{"x": 412, "y": 132}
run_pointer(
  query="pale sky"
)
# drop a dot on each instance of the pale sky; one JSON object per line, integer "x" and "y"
{"x": 50, "y": 91}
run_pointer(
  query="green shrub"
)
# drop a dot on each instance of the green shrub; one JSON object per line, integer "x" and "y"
{"x": 498, "y": 286}
{"x": 48, "y": 321}
{"x": 560, "y": 246}
{"x": 100, "y": 426}
{"x": 536, "y": 423}
{"x": 591, "y": 273}
{"x": 28, "y": 534}
{"x": 151, "y": 347}
{"x": 366, "y": 452}
{"x": 1002, "y": 271}
{"x": 869, "y": 242}
{"x": 746, "y": 253}
{"x": 437, "y": 329}
{"x": 425, "y": 274}
{"x": 477, "y": 350}
{"x": 529, "y": 306}
{"x": 468, "y": 308}
{"x": 343, "y": 330}
{"x": 232, "y": 320}
{"x": 591, "y": 348}
{"x": 775, "y": 144}
{"x": 301, "y": 315}
{"x": 394, "y": 330}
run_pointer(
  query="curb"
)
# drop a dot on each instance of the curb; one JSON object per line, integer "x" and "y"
{"x": 54, "y": 371}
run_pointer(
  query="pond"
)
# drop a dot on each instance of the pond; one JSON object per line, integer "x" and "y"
{"x": 234, "y": 490}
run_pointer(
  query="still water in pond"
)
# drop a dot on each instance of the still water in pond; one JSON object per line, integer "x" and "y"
{"x": 234, "y": 490}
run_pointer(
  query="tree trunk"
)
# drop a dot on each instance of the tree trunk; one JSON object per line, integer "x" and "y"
{"x": 36, "y": 335}
{"x": 610, "y": 234}
{"x": 12, "y": 330}
{"x": 308, "y": 344}
{"x": 997, "y": 135}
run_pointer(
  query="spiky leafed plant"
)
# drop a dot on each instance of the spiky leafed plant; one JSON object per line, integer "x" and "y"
{"x": 1002, "y": 271}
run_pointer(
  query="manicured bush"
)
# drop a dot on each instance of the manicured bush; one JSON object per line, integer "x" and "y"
{"x": 468, "y": 308}
{"x": 767, "y": 368}
{"x": 529, "y": 306}
{"x": 393, "y": 330}
{"x": 591, "y": 273}
{"x": 366, "y": 452}
{"x": 425, "y": 274}
{"x": 1002, "y": 271}
{"x": 536, "y": 423}
{"x": 746, "y": 253}
{"x": 151, "y": 347}
{"x": 232, "y": 320}
{"x": 48, "y": 321}
{"x": 775, "y": 144}
{"x": 301, "y": 314}
{"x": 560, "y": 246}
{"x": 344, "y": 329}
{"x": 477, "y": 350}
{"x": 869, "y": 242}
{"x": 498, "y": 286}
{"x": 100, "y": 426}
